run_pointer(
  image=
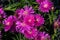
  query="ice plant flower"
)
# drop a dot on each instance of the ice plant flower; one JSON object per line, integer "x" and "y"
{"x": 21, "y": 27}
{"x": 8, "y": 22}
{"x": 29, "y": 20}
{"x": 28, "y": 10}
{"x": 42, "y": 36}
{"x": 25, "y": 11}
{"x": 39, "y": 20}
{"x": 45, "y": 6}
{"x": 2, "y": 13}
{"x": 31, "y": 33}
{"x": 39, "y": 1}
{"x": 57, "y": 23}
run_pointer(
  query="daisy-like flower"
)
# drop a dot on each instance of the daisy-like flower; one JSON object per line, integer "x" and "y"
{"x": 45, "y": 6}
{"x": 39, "y": 20}
{"x": 8, "y": 22}
{"x": 39, "y": 1}
{"x": 25, "y": 11}
{"x": 21, "y": 27}
{"x": 31, "y": 33}
{"x": 28, "y": 10}
{"x": 42, "y": 36}
{"x": 57, "y": 23}
{"x": 29, "y": 20}
{"x": 2, "y": 13}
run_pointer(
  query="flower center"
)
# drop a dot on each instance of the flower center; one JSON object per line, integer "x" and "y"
{"x": 29, "y": 20}
{"x": 25, "y": 12}
{"x": 8, "y": 23}
{"x": 37, "y": 19}
{"x": 46, "y": 5}
{"x": 29, "y": 32}
{"x": 23, "y": 24}
{"x": 42, "y": 38}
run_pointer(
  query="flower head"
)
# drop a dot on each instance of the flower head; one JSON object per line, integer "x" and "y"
{"x": 57, "y": 23}
{"x": 2, "y": 13}
{"x": 25, "y": 11}
{"x": 45, "y": 6}
{"x": 29, "y": 20}
{"x": 39, "y": 20}
{"x": 39, "y": 1}
{"x": 21, "y": 27}
{"x": 31, "y": 33}
{"x": 29, "y": 9}
{"x": 8, "y": 22}
{"x": 42, "y": 36}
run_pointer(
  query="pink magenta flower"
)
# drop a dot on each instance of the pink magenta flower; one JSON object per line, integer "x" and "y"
{"x": 29, "y": 20}
{"x": 31, "y": 33}
{"x": 45, "y": 6}
{"x": 21, "y": 27}
{"x": 8, "y": 22}
{"x": 39, "y": 1}
{"x": 2, "y": 13}
{"x": 39, "y": 20}
{"x": 25, "y": 11}
{"x": 42, "y": 36}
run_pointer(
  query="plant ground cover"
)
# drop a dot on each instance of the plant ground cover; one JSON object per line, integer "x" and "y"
{"x": 29, "y": 20}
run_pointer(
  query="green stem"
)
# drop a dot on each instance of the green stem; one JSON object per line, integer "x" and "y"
{"x": 19, "y": 36}
{"x": 28, "y": 2}
{"x": 55, "y": 31}
{"x": 24, "y": 38}
{"x": 50, "y": 18}
{"x": 52, "y": 15}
